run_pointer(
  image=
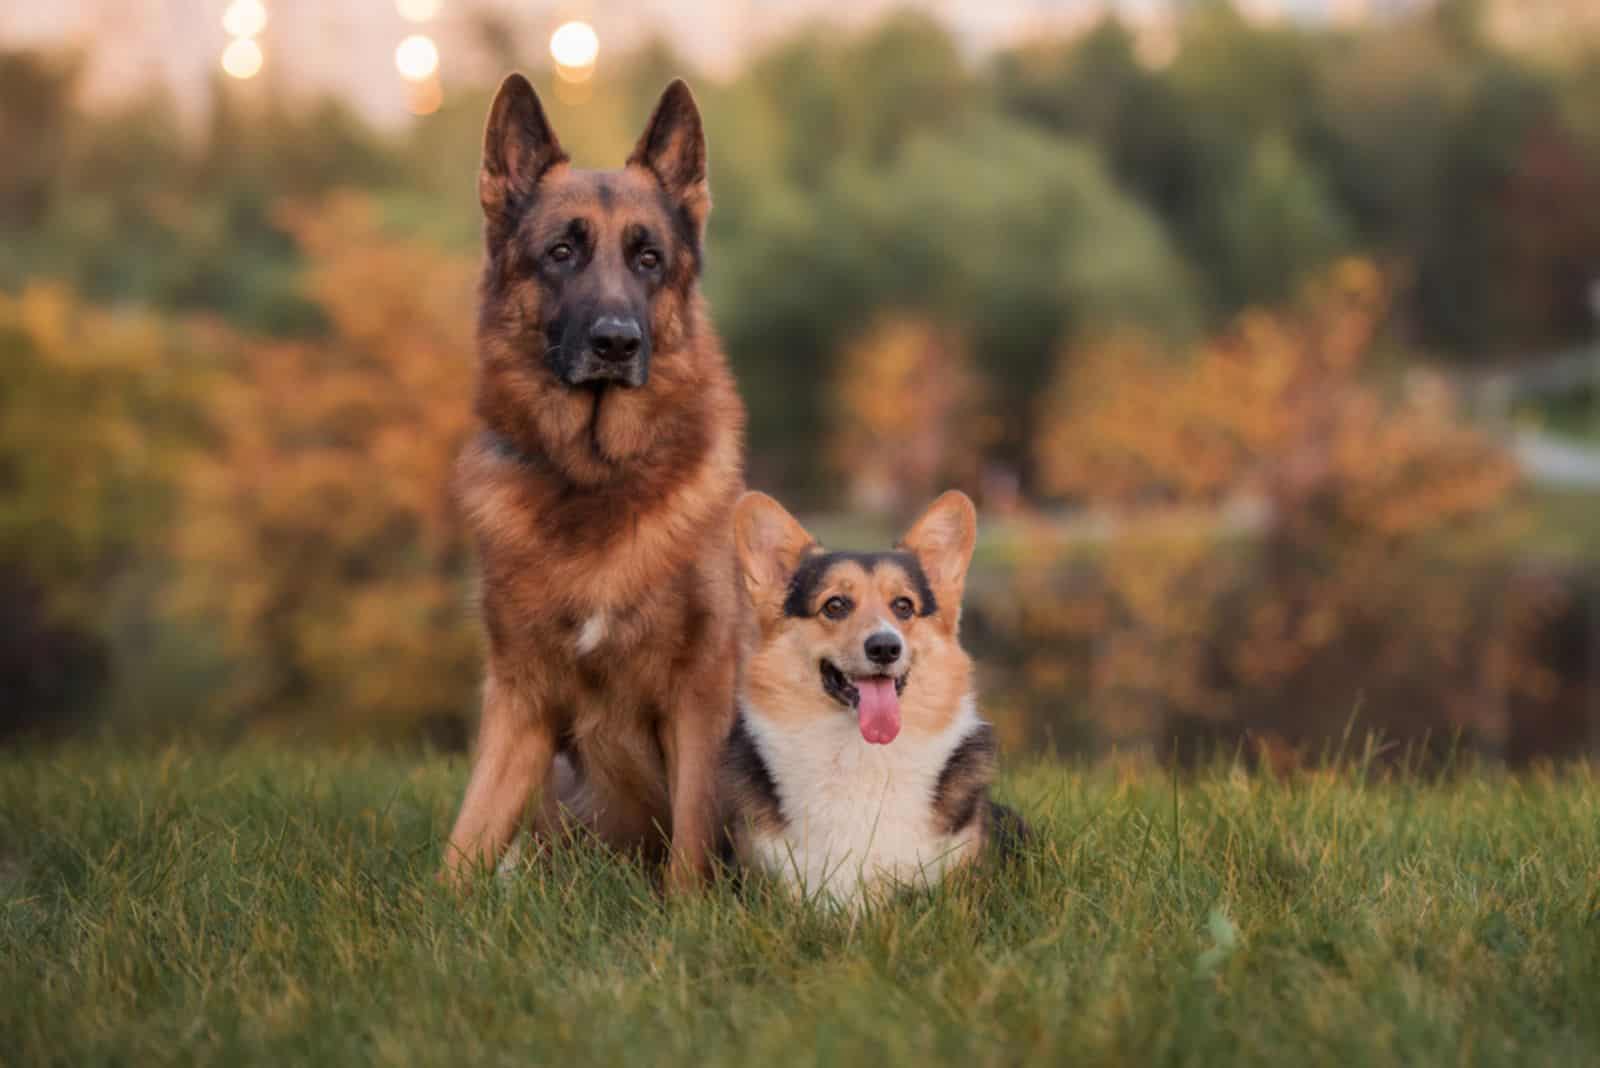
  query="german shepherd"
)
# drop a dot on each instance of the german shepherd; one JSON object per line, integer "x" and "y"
{"x": 600, "y": 490}
{"x": 858, "y": 762}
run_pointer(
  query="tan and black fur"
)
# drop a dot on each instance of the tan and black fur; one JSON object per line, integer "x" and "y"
{"x": 841, "y": 807}
{"x": 600, "y": 491}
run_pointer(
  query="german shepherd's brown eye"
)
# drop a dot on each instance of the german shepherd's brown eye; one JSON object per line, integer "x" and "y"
{"x": 836, "y": 607}
{"x": 902, "y": 607}
{"x": 649, "y": 259}
{"x": 561, "y": 253}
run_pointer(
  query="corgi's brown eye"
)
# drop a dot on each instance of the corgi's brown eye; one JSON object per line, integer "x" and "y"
{"x": 902, "y": 607}
{"x": 836, "y": 607}
{"x": 560, "y": 253}
{"x": 649, "y": 259}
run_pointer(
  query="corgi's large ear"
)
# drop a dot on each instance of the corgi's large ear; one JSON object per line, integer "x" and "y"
{"x": 673, "y": 148}
{"x": 942, "y": 541}
{"x": 518, "y": 147}
{"x": 771, "y": 543}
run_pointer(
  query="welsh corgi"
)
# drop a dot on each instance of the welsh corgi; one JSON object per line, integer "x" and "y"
{"x": 858, "y": 763}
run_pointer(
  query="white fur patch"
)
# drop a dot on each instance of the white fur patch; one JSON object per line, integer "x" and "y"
{"x": 511, "y": 860}
{"x": 860, "y": 816}
{"x": 592, "y": 634}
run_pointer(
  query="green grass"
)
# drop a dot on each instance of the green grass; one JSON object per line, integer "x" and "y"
{"x": 273, "y": 906}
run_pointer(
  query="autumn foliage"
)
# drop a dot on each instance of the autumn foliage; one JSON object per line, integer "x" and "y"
{"x": 1293, "y": 538}
{"x": 910, "y": 417}
{"x": 318, "y": 528}
{"x": 97, "y": 409}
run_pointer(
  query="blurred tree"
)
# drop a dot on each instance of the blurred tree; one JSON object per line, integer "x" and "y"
{"x": 1210, "y": 143}
{"x": 95, "y": 410}
{"x": 1095, "y": 88}
{"x": 861, "y": 97}
{"x": 902, "y": 80}
{"x": 1373, "y": 577}
{"x": 1552, "y": 253}
{"x": 1580, "y": 102}
{"x": 35, "y": 104}
{"x": 121, "y": 206}
{"x": 1501, "y": 272}
{"x": 1018, "y": 240}
{"x": 1273, "y": 225}
{"x": 318, "y": 528}
{"x": 1389, "y": 103}
{"x": 1268, "y": 150}
{"x": 910, "y": 416}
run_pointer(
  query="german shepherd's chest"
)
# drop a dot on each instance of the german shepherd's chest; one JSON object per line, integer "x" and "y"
{"x": 628, "y": 598}
{"x": 613, "y": 633}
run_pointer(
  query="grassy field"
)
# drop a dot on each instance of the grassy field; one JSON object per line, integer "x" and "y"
{"x": 272, "y": 906}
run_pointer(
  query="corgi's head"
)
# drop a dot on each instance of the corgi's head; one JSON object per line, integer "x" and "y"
{"x": 869, "y": 635}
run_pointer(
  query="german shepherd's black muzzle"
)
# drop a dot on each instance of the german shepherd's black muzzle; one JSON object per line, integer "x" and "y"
{"x": 608, "y": 349}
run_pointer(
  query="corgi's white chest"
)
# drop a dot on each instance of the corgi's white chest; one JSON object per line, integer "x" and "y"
{"x": 859, "y": 816}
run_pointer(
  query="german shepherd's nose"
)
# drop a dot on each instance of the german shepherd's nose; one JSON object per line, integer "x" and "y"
{"x": 612, "y": 350}
{"x": 615, "y": 339}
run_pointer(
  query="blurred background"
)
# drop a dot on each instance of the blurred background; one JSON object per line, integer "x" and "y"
{"x": 1267, "y": 336}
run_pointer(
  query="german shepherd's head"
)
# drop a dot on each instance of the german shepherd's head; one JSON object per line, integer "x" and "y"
{"x": 872, "y": 635}
{"x": 588, "y": 331}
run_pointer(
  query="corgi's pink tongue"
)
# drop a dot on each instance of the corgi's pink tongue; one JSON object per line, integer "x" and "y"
{"x": 879, "y": 710}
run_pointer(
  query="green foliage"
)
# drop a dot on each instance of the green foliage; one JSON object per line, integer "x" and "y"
{"x": 1272, "y": 224}
{"x": 35, "y": 110}
{"x": 318, "y": 528}
{"x": 266, "y": 906}
{"x": 81, "y": 493}
{"x": 132, "y": 208}
{"x": 97, "y": 408}
{"x": 848, "y": 171}
{"x": 1212, "y": 144}
{"x": 1266, "y": 151}
{"x": 1050, "y": 250}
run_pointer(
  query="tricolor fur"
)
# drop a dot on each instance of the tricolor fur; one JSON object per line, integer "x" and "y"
{"x": 858, "y": 762}
{"x": 600, "y": 490}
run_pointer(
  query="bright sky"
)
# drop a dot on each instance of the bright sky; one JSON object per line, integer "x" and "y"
{"x": 376, "y": 53}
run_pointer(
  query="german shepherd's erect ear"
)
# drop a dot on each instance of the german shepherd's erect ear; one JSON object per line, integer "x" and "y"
{"x": 942, "y": 541}
{"x": 673, "y": 148}
{"x": 518, "y": 147}
{"x": 771, "y": 543}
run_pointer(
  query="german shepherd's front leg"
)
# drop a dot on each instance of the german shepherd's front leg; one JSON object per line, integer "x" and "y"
{"x": 516, "y": 749}
{"x": 691, "y": 739}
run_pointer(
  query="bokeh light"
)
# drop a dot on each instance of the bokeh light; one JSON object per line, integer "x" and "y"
{"x": 416, "y": 58}
{"x": 242, "y": 58}
{"x": 417, "y": 10}
{"x": 575, "y": 45}
{"x": 424, "y": 97}
{"x": 245, "y": 18}
{"x": 574, "y": 75}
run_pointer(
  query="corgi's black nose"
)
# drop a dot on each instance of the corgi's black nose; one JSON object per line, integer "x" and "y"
{"x": 883, "y": 648}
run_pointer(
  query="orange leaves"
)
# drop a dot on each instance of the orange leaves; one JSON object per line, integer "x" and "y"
{"x": 319, "y": 529}
{"x": 908, "y": 415}
{"x": 1376, "y": 568}
{"x": 95, "y": 406}
{"x": 1279, "y": 409}
{"x": 1126, "y": 423}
